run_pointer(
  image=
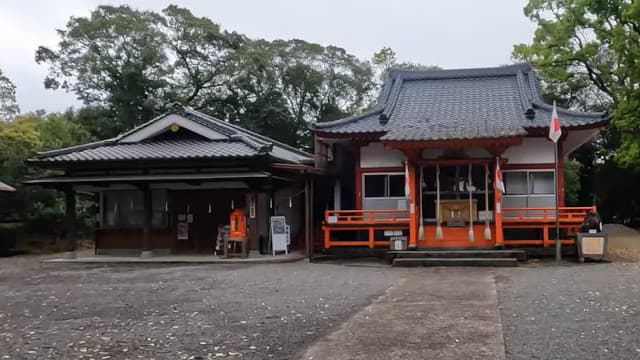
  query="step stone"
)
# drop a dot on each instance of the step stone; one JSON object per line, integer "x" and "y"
{"x": 495, "y": 254}
{"x": 417, "y": 262}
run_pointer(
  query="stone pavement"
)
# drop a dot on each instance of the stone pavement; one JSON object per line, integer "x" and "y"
{"x": 439, "y": 313}
{"x": 254, "y": 258}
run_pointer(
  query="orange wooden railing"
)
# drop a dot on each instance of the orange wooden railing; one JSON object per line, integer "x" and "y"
{"x": 544, "y": 218}
{"x": 362, "y": 220}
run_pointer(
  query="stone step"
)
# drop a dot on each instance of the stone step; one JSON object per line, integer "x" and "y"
{"x": 432, "y": 261}
{"x": 492, "y": 254}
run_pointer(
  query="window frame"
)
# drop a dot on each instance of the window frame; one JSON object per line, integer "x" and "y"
{"x": 529, "y": 184}
{"x": 386, "y": 185}
{"x": 157, "y": 195}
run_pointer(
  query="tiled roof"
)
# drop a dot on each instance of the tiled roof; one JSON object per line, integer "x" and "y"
{"x": 167, "y": 149}
{"x": 233, "y": 142}
{"x": 458, "y": 104}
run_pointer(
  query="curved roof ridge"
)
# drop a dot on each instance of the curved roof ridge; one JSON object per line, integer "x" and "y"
{"x": 560, "y": 110}
{"x": 524, "y": 102}
{"x": 258, "y": 137}
{"x": 506, "y": 70}
{"x": 70, "y": 149}
{"x": 392, "y": 99}
{"x": 327, "y": 124}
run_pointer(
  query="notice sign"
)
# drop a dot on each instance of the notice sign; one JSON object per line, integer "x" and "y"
{"x": 279, "y": 234}
{"x": 593, "y": 245}
{"x": 183, "y": 231}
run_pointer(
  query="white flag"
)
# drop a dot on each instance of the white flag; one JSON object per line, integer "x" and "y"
{"x": 407, "y": 188}
{"x": 499, "y": 183}
{"x": 554, "y": 126}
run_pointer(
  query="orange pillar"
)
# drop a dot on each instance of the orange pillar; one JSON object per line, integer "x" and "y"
{"x": 413, "y": 228}
{"x": 497, "y": 214}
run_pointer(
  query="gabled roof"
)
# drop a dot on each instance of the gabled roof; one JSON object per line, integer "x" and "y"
{"x": 216, "y": 139}
{"x": 5, "y": 187}
{"x": 458, "y": 104}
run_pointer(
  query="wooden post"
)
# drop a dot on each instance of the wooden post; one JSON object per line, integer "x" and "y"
{"x": 312, "y": 233}
{"x": 497, "y": 213}
{"x": 358, "y": 180}
{"x": 70, "y": 202}
{"x": 147, "y": 251}
{"x": 307, "y": 218}
{"x": 327, "y": 236}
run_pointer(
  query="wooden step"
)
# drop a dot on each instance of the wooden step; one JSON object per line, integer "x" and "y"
{"x": 489, "y": 254}
{"x": 416, "y": 262}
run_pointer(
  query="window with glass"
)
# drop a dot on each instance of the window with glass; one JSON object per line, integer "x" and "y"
{"x": 529, "y": 182}
{"x": 125, "y": 209}
{"x": 384, "y": 186}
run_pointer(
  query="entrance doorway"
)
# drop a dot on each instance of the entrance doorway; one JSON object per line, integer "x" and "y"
{"x": 196, "y": 215}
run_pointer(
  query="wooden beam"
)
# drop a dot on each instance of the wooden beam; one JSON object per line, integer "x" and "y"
{"x": 413, "y": 213}
{"x": 70, "y": 218}
{"x": 497, "y": 212}
{"x": 434, "y": 162}
{"x": 307, "y": 218}
{"x": 146, "y": 221}
{"x": 358, "y": 178}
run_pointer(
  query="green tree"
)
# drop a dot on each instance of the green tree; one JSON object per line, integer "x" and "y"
{"x": 8, "y": 106}
{"x": 385, "y": 59}
{"x": 203, "y": 54}
{"x": 294, "y": 83}
{"x": 115, "y": 59}
{"x": 20, "y": 139}
{"x": 589, "y": 51}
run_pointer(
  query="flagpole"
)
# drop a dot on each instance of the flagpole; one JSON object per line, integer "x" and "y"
{"x": 555, "y": 181}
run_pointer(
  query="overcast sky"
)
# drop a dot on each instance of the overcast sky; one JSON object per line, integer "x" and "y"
{"x": 447, "y": 33}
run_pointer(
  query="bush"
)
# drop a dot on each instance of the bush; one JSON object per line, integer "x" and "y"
{"x": 9, "y": 234}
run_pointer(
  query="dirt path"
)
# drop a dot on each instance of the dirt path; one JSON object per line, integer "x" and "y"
{"x": 624, "y": 243}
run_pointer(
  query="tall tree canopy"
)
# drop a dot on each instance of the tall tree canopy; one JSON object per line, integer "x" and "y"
{"x": 8, "y": 106}
{"x": 281, "y": 87}
{"x": 385, "y": 59}
{"x": 128, "y": 64}
{"x": 589, "y": 51}
{"x": 114, "y": 58}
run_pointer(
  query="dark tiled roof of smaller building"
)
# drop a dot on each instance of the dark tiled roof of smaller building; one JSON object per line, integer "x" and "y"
{"x": 458, "y": 104}
{"x": 233, "y": 142}
{"x": 167, "y": 149}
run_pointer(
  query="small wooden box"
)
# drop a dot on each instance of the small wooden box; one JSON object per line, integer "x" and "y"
{"x": 592, "y": 245}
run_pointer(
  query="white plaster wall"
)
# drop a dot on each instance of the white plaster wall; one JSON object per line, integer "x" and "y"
{"x": 376, "y": 155}
{"x": 531, "y": 151}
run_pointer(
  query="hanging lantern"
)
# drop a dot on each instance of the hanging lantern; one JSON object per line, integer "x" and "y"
{"x": 209, "y": 208}
{"x": 166, "y": 206}
{"x": 270, "y": 203}
{"x": 188, "y": 208}
{"x": 290, "y": 202}
{"x": 232, "y": 205}
{"x": 131, "y": 204}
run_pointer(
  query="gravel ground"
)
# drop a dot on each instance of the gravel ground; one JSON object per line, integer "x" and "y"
{"x": 53, "y": 311}
{"x": 589, "y": 311}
